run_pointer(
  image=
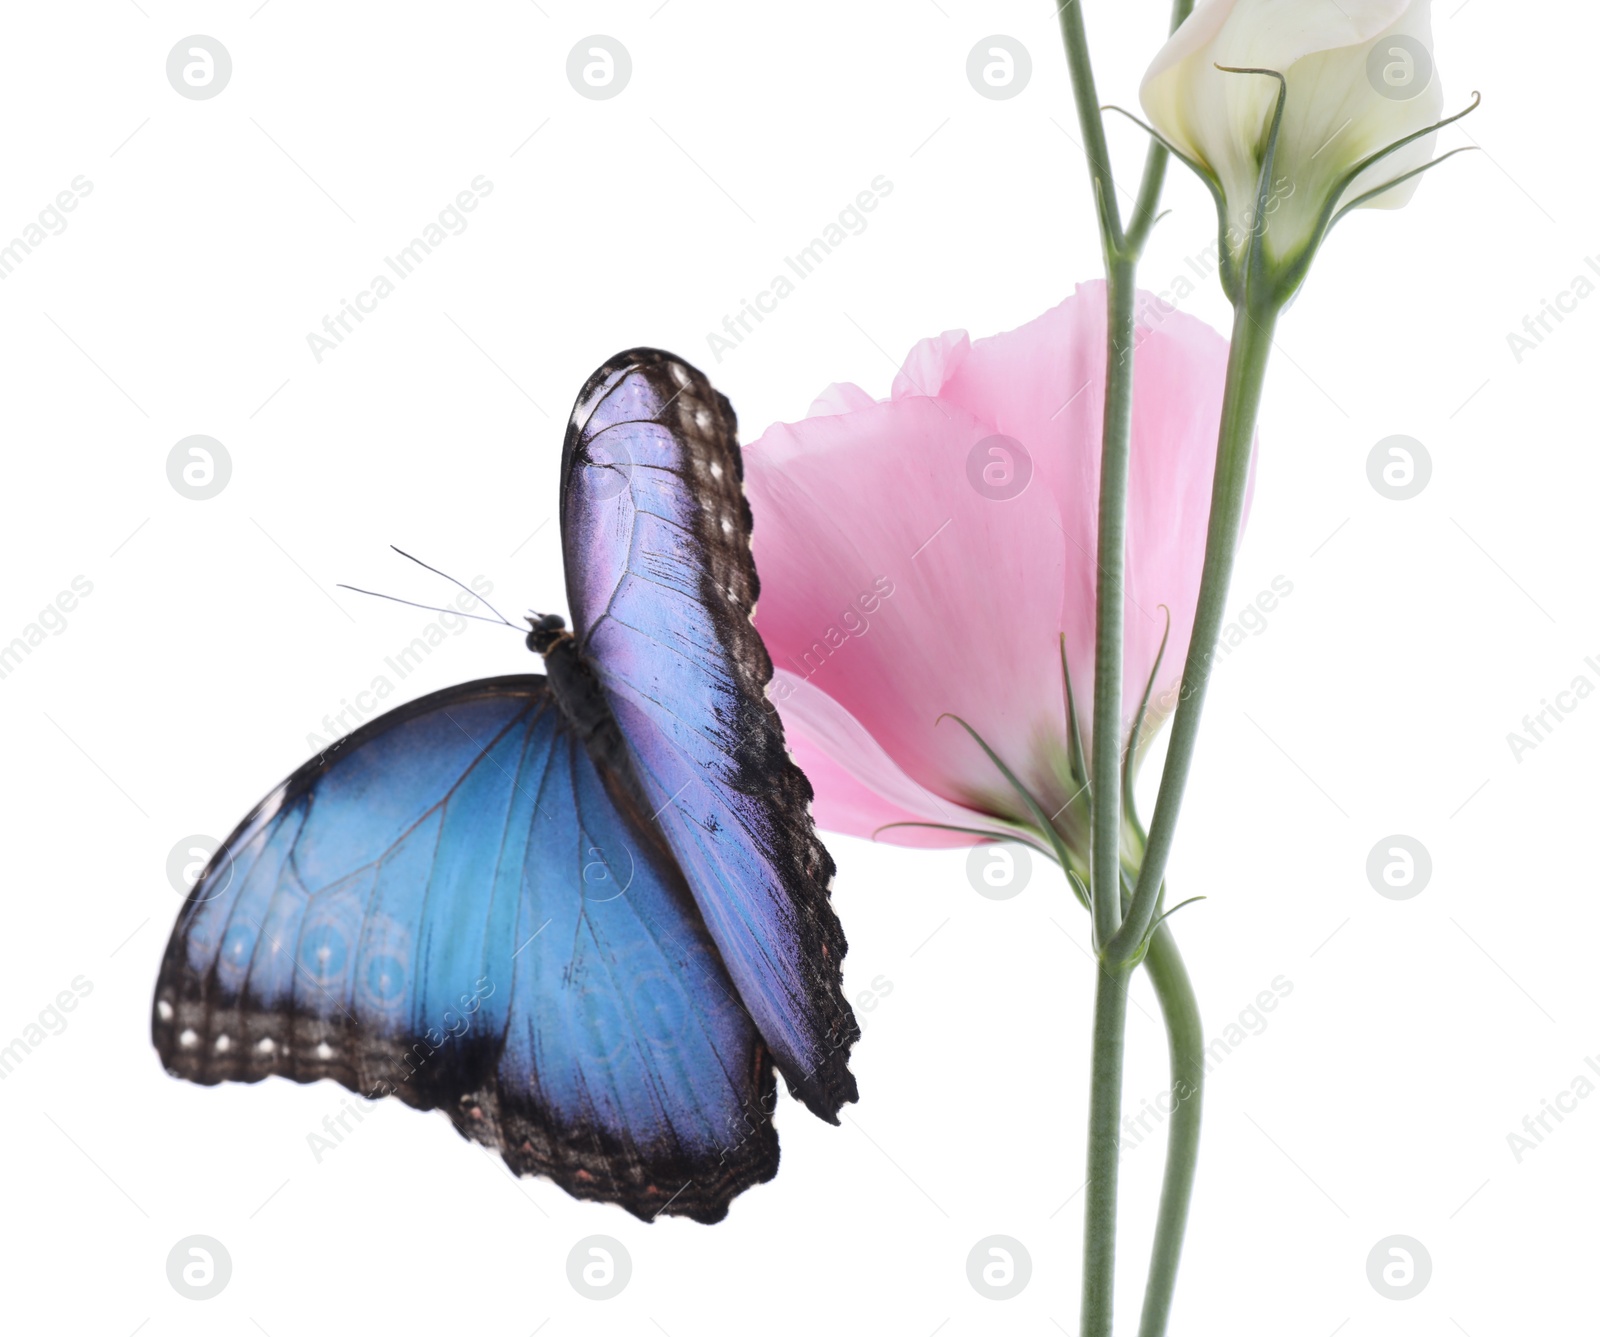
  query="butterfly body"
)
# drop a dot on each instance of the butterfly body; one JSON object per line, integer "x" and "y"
{"x": 584, "y": 913}
{"x": 581, "y": 700}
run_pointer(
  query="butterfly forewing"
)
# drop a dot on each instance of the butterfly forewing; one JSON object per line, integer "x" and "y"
{"x": 656, "y": 532}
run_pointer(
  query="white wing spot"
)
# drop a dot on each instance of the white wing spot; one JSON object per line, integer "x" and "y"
{"x": 678, "y": 373}
{"x": 727, "y": 525}
{"x": 223, "y": 1044}
{"x": 324, "y": 1050}
{"x": 265, "y": 1046}
{"x": 164, "y": 1010}
{"x": 716, "y": 469}
{"x": 189, "y": 1039}
{"x": 702, "y": 419}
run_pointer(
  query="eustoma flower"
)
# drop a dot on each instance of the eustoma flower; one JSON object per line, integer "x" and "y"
{"x": 932, "y": 554}
{"x": 1294, "y": 112}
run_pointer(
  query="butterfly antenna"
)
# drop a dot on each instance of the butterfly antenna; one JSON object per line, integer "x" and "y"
{"x": 456, "y": 612}
{"x": 474, "y": 593}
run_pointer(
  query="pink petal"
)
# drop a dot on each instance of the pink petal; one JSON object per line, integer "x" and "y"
{"x": 1044, "y": 385}
{"x": 840, "y": 397}
{"x": 930, "y": 364}
{"x": 904, "y": 575}
{"x": 894, "y": 586}
{"x": 859, "y": 788}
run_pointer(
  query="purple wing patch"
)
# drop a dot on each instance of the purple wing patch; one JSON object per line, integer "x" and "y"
{"x": 661, "y": 585}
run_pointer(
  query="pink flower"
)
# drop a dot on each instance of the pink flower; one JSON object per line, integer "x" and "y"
{"x": 924, "y": 554}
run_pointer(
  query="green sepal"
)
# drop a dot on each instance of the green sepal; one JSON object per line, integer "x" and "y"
{"x": 1225, "y": 267}
{"x": 1130, "y": 811}
{"x": 1076, "y": 761}
{"x": 1166, "y": 915}
{"x": 1256, "y": 259}
{"x": 1404, "y": 176}
{"x": 1080, "y": 889}
{"x": 1291, "y": 275}
{"x": 1046, "y": 827}
{"x": 1021, "y": 835}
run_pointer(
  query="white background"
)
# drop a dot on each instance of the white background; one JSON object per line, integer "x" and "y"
{"x": 1419, "y": 1033}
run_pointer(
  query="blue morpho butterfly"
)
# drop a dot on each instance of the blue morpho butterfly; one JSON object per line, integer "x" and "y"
{"x": 584, "y": 914}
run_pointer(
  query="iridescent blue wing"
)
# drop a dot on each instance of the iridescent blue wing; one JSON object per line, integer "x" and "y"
{"x": 661, "y": 586}
{"x": 454, "y": 906}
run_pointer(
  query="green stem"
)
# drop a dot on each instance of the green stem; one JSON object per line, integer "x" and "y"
{"x": 1105, "y": 849}
{"x": 1105, "y": 845}
{"x": 1251, "y": 347}
{"x": 1186, "y": 1051}
{"x": 1105, "y": 1116}
{"x": 1092, "y": 127}
{"x": 1121, "y": 253}
{"x": 1144, "y": 214}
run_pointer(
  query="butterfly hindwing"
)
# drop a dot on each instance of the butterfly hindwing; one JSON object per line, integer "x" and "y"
{"x": 656, "y": 532}
{"x": 457, "y": 906}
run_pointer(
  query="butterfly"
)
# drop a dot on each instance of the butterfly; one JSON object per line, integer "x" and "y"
{"x": 584, "y": 913}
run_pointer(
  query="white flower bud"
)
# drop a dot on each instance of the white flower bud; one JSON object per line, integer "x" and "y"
{"x": 1358, "y": 76}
